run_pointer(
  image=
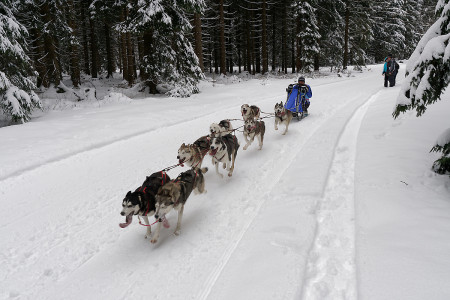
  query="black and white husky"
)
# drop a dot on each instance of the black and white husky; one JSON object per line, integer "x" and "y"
{"x": 223, "y": 128}
{"x": 174, "y": 194}
{"x": 282, "y": 116}
{"x": 224, "y": 150}
{"x": 254, "y": 129}
{"x": 142, "y": 201}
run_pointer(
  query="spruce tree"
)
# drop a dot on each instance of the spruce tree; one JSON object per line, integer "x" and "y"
{"x": 428, "y": 75}
{"x": 17, "y": 98}
{"x": 307, "y": 34}
{"x": 171, "y": 59}
{"x": 389, "y": 28}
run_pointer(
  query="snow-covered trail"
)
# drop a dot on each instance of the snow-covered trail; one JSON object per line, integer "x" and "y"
{"x": 65, "y": 243}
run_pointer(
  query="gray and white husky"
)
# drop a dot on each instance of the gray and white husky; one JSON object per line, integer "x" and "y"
{"x": 254, "y": 129}
{"x": 142, "y": 201}
{"x": 174, "y": 194}
{"x": 224, "y": 150}
{"x": 282, "y": 116}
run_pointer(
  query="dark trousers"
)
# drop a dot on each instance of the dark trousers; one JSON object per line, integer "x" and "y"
{"x": 390, "y": 79}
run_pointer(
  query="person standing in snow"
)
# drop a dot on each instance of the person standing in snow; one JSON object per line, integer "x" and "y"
{"x": 390, "y": 70}
{"x": 301, "y": 89}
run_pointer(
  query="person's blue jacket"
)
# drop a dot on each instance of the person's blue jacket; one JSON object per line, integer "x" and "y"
{"x": 290, "y": 103}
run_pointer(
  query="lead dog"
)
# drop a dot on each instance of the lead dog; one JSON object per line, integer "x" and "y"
{"x": 223, "y": 128}
{"x": 254, "y": 129}
{"x": 174, "y": 194}
{"x": 224, "y": 150}
{"x": 193, "y": 154}
{"x": 282, "y": 116}
{"x": 250, "y": 112}
{"x": 142, "y": 201}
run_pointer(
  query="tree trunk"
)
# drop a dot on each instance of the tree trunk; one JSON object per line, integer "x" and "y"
{"x": 274, "y": 43}
{"x": 130, "y": 57}
{"x": 39, "y": 54}
{"x": 123, "y": 48}
{"x": 94, "y": 49}
{"x": 298, "y": 44}
{"x": 74, "y": 50}
{"x": 87, "y": 68}
{"x": 109, "y": 53}
{"x": 284, "y": 38}
{"x": 52, "y": 62}
{"x": 198, "y": 39}
{"x": 265, "y": 59}
{"x": 223, "y": 69}
{"x": 346, "y": 37}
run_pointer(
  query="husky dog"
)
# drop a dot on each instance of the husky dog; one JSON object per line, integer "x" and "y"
{"x": 224, "y": 150}
{"x": 223, "y": 128}
{"x": 174, "y": 194}
{"x": 282, "y": 116}
{"x": 254, "y": 128}
{"x": 193, "y": 154}
{"x": 142, "y": 201}
{"x": 250, "y": 112}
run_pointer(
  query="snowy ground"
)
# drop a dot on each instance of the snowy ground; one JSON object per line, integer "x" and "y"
{"x": 342, "y": 207}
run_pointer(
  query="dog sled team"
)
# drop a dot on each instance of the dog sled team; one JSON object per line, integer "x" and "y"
{"x": 158, "y": 194}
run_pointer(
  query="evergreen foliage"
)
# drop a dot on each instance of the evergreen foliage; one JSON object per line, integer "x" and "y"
{"x": 170, "y": 57}
{"x": 307, "y": 33}
{"x": 428, "y": 73}
{"x": 17, "y": 98}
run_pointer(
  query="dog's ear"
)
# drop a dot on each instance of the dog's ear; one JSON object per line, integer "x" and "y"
{"x": 183, "y": 145}
{"x": 281, "y": 103}
{"x": 128, "y": 194}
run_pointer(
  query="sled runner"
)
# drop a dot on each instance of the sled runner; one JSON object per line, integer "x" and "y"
{"x": 296, "y": 100}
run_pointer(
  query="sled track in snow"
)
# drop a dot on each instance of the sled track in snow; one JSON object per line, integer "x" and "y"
{"x": 331, "y": 272}
{"x": 213, "y": 277}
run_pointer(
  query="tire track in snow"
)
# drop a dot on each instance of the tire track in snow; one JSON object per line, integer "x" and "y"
{"x": 331, "y": 272}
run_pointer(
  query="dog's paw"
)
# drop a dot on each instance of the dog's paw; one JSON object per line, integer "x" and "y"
{"x": 276, "y": 128}
{"x": 284, "y": 133}
{"x": 153, "y": 241}
{"x": 177, "y": 232}
{"x": 230, "y": 174}
{"x": 245, "y": 147}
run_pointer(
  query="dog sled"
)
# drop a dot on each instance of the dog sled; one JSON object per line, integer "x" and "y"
{"x": 296, "y": 101}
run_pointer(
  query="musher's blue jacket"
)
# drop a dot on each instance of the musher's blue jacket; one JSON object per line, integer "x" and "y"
{"x": 290, "y": 103}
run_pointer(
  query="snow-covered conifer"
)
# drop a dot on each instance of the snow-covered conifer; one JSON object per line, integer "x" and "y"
{"x": 17, "y": 98}
{"x": 307, "y": 33}
{"x": 428, "y": 70}
{"x": 169, "y": 55}
{"x": 389, "y": 28}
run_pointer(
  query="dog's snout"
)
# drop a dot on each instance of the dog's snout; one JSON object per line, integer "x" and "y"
{"x": 156, "y": 216}
{"x": 178, "y": 157}
{"x": 122, "y": 213}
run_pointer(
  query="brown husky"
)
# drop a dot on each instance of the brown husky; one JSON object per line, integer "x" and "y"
{"x": 174, "y": 194}
{"x": 254, "y": 129}
{"x": 250, "y": 112}
{"x": 193, "y": 154}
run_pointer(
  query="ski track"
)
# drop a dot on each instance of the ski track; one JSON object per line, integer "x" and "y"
{"x": 58, "y": 245}
{"x": 330, "y": 272}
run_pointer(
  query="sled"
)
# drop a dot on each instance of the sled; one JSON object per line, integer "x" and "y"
{"x": 295, "y": 101}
